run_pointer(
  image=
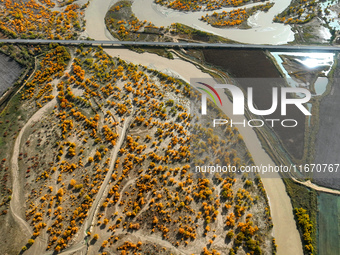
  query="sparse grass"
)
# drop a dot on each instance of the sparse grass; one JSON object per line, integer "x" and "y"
{"x": 9, "y": 118}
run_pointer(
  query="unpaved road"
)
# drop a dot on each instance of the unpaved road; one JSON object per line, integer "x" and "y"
{"x": 285, "y": 232}
{"x": 79, "y": 245}
{"x": 311, "y": 185}
{"x": 16, "y": 204}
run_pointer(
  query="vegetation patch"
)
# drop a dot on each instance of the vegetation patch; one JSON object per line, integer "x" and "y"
{"x": 304, "y": 202}
{"x": 31, "y": 20}
{"x": 124, "y": 25}
{"x": 198, "y": 5}
{"x": 116, "y": 136}
{"x": 298, "y": 12}
{"x": 306, "y": 227}
{"x": 234, "y": 17}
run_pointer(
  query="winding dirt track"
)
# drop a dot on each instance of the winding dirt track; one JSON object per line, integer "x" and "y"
{"x": 16, "y": 204}
{"x": 289, "y": 242}
{"x": 16, "y": 187}
{"x": 80, "y": 243}
{"x": 285, "y": 231}
{"x": 311, "y": 185}
{"x": 103, "y": 187}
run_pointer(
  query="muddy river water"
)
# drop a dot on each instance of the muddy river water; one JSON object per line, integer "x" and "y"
{"x": 263, "y": 30}
{"x": 285, "y": 231}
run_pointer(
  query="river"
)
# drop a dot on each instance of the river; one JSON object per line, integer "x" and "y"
{"x": 263, "y": 30}
{"x": 285, "y": 231}
{"x": 311, "y": 60}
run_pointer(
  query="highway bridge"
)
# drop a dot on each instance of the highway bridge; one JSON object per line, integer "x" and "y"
{"x": 115, "y": 44}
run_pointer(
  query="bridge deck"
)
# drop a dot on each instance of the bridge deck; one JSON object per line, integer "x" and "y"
{"x": 114, "y": 44}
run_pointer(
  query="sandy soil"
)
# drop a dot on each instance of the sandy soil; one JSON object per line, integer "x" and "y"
{"x": 285, "y": 231}
{"x": 16, "y": 207}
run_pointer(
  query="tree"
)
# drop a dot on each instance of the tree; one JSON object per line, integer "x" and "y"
{"x": 104, "y": 244}
{"x": 73, "y": 182}
{"x": 60, "y": 192}
{"x": 230, "y": 234}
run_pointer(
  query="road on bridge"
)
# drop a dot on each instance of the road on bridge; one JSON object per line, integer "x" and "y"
{"x": 114, "y": 44}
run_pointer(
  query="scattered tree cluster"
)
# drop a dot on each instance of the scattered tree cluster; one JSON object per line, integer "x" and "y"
{"x": 146, "y": 173}
{"x": 31, "y": 20}
{"x": 126, "y": 26}
{"x": 234, "y": 17}
{"x": 306, "y": 227}
{"x": 198, "y": 5}
{"x": 52, "y": 65}
{"x": 299, "y": 12}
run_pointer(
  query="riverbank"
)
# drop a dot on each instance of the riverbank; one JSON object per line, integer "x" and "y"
{"x": 260, "y": 73}
{"x": 281, "y": 208}
{"x": 123, "y": 24}
{"x": 262, "y": 31}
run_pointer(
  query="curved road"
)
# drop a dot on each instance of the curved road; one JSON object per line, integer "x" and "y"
{"x": 311, "y": 185}
{"x": 96, "y": 203}
{"x": 16, "y": 204}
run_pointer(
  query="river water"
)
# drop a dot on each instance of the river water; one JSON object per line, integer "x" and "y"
{"x": 285, "y": 231}
{"x": 332, "y": 17}
{"x": 310, "y": 60}
{"x": 263, "y": 30}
